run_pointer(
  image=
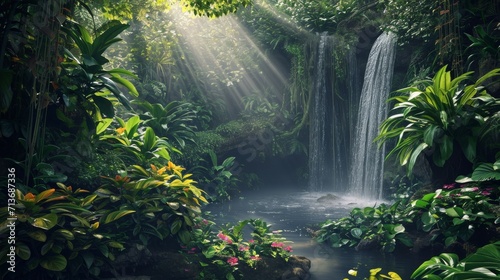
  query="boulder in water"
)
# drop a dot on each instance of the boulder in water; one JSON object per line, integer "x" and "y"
{"x": 328, "y": 198}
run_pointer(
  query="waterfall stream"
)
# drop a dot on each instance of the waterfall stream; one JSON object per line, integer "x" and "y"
{"x": 318, "y": 157}
{"x": 367, "y": 167}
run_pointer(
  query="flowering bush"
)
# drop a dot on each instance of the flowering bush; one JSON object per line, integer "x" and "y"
{"x": 457, "y": 210}
{"x": 224, "y": 250}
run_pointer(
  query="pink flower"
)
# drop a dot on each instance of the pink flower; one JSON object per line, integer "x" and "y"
{"x": 449, "y": 186}
{"x": 251, "y": 241}
{"x": 232, "y": 261}
{"x": 485, "y": 192}
{"x": 288, "y": 248}
{"x": 255, "y": 258}
{"x": 243, "y": 248}
{"x": 277, "y": 244}
{"x": 192, "y": 250}
{"x": 225, "y": 238}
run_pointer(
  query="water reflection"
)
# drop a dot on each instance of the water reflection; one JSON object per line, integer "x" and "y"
{"x": 296, "y": 212}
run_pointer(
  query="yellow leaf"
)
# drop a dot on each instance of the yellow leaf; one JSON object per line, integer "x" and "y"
{"x": 44, "y": 194}
{"x": 162, "y": 170}
{"x": 374, "y": 271}
{"x": 395, "y": 276}
{"x": 202, "y": 198}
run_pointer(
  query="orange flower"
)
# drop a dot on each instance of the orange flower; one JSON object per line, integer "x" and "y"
{"x": 120, "y": 130}
{"x": 29, "y": 197}
{"x": 172, "y": 167}
{"x": 121, "y": 179}
{"x": 158, "y": 171}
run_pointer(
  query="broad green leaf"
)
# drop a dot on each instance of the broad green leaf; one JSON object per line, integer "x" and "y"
{"x": 149, "y": 139}
{"x": 38, "y": 235}
{"x": 184, "y": 236}
{"x": 122, "y": 81}
{"x": 356, "y": 233}
{"x": 414, "y": 156}
{"x": 103, "y": 41}
{"x": 485, "y": 172}
{"x": 23, "y": 251}
{"x": 45, "y": 222}
{"x": 102, "y": 125}
{"x": 175, "y": 226}
{"x": 104, "y": 105}
{"x": 428, "y": 219}
{"x": 429, "y": 134}
{"x": 468, "y": 144}
{"x": 487, "y": 257}
{"x": 209, "y": 252}
{"x": 455, "y": 212}
{"x": 88, "y": 258}
{"x": 54, "y": 262}
{"x": 132, "y": 125}
{"x": 113, "y": 216}
{"x": 68, "y": 235}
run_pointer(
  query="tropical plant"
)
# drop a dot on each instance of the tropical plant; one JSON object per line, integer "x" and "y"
{"x": 483, "y": 264}
{"x": 483, "y": 172}
{"x": 435, "y": 116}
{"x": 225, "y": 249}
{"x": 175, "y": 121}
{"x": 381, "y": 226}
{"x": 217, "y": 178}
{"x": 84, "y": 83}
{"x": 140, "y": 145}
{"x": 457, "y": 211}
{"x": 56, "y": 234}
{"x": 484, "y": 43}
{"x": 161, "y": 202}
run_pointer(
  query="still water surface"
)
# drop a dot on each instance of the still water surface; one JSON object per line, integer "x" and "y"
{"x": 295, "y": 212}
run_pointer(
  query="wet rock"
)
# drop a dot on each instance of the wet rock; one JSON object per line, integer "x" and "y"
{"x": 328, "y": 198}
{"x": 368, "y": 244}
{"x": 300, "y": 262}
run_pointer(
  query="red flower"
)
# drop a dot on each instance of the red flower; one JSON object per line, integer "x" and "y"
{"x": 224, "y": 237}
{"x": 277, "y": 244}
{"x": 255, "y": 258}
{"x": 243, "y": 248}
{"x": 232, "y": 261}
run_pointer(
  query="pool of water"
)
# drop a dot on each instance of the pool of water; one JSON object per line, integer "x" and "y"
{"x": 295, "y": 212}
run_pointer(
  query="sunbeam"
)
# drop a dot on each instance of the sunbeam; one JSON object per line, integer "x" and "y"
{"x": 227, "y": 60}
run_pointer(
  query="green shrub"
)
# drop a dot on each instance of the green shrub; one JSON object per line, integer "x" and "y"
{"x": 483, "y": 264}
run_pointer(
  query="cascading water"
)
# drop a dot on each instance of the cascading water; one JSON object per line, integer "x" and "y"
{"x": 318, "y": 158}
{"x": 367, "y": 167}
{"x": 333, "y": 109}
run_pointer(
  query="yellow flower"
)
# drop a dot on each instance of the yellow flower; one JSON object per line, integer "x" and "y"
{"x": 352, "y": 272}
{"x": 158, "y": 171}
{"x": 175, "y": 168}
{"x": 120, "y": 130}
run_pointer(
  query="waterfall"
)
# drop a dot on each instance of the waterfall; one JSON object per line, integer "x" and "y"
{"x": 366, "y": 175}
{"x": 318, "y": 157}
